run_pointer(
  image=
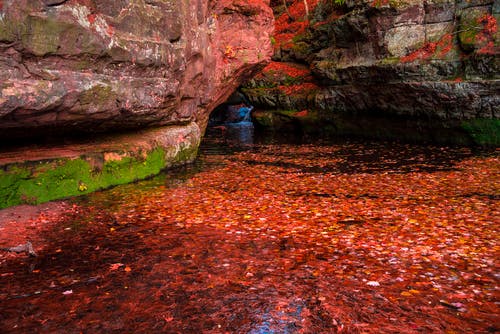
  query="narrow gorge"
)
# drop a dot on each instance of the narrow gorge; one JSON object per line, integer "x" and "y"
{"x": 98, "y": 93}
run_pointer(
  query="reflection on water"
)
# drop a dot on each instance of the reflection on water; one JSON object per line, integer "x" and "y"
{"x": 240, "y": 133}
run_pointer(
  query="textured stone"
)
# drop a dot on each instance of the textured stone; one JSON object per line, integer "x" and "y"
{"x": 404, "y": 39}
{"x": 95, "y": 65}
{"x": 409, "y": 63}
{"x": 439, "y": 11}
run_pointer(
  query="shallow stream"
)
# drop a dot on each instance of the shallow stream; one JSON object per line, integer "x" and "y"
{"x": 263, "y": 235}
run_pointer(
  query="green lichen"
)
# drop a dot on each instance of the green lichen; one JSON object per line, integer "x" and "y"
{"x": 9, "y": 30}
{"x": 98, "y": 94}
{"x": 45, "y": 35}
{"x": 33, "y": 183}
{"x": 484, "y": 132}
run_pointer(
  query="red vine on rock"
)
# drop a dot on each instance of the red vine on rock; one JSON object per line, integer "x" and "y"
{"x": 430, "y": 49}
{"x": 298, "y": 89}
{"x": 487, "y": 35}
{"x": 379, "y": 3}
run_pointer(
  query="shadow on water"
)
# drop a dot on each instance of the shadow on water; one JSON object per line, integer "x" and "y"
{"x": 349, "y": 155}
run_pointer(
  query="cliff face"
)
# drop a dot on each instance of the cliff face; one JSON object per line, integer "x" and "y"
{"x": 155, "y": 67}
{"x": 422, "y": 65}
{"x": 96, "y": 65}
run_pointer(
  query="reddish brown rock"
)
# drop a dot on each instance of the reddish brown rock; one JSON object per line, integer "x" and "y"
{"x": 95, "y": 65}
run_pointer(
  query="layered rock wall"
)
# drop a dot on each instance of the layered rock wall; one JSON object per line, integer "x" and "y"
{"x": 430, "y": 61}
{"x": 96, "y": 65}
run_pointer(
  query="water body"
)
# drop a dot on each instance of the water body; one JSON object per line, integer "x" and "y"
{"x": 265, "y": 235}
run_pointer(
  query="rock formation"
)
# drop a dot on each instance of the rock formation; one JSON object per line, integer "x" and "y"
{"x": 92, "y": 67}
{"x": 416, "y": 69}
{"x": 95, "y": 65}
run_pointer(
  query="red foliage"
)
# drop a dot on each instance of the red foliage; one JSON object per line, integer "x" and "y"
{"x": 445, "y": 44}
{"x": 110, "y": 30}
{"x": 317, "y": 239}
{"x": 379, "y": 3}
{"x": 290, "y": 69}
{"x": 91, "y": 18}
{"x": 487, "y": 35}
{"x": 298, "y": 10}
{"x": 303, "y": 88}
{"x": 489, "y": 23}
{"x": 302, "y": 113}
{"x": 287, "y": 28}
{"x": 441, "y": 47}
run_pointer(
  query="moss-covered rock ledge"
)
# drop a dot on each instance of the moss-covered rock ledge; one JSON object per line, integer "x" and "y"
{"x": 32, "y": 175}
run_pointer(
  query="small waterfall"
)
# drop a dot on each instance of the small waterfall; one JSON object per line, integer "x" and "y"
{"x": 247, "y": 112}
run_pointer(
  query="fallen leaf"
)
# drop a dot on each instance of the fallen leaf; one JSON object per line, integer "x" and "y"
{"x": 373, "y": 283}
{"x": 115, "y": 266}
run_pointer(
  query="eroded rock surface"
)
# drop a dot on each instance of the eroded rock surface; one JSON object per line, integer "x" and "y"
{"x": 433, "y": 62}
{"x": 96, "y": 65}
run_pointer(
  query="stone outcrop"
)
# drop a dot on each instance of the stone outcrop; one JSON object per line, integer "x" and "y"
{"x": 37, "y": 174}
{"x": 95, "y": 65}
{"x": 429, "y": 65}
{"x": 153, "y": 68}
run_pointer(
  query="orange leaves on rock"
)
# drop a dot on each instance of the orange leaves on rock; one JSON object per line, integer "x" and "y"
{"x": 487, "y": 35}
{"x": 302, "y": 113}
{"x": 287, "y": 28}
{"x": 293, "y": 70}
{"x": 379, "y": 3}
{"x": 304, "y": 88}
{"x": 436, "y": 49}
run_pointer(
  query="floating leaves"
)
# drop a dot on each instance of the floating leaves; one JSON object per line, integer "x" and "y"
{"x": 373, "y": 283}
{"x": 352, "y": 237}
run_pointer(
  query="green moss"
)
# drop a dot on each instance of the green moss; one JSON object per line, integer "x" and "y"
{"x": 390, "y": 61}
{"x": 98, "y": 94}
{"x": 9, "y": 30}
{"x": 484, "y": 132}
{"x": 45, "y": 35}
{"x": 41, "y": 182}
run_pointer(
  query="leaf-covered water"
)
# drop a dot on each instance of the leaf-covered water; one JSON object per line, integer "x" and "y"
{"x": 350, "y": 237}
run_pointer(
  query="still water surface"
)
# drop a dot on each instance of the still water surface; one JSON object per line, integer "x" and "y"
{"x": 266, "y": 235}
